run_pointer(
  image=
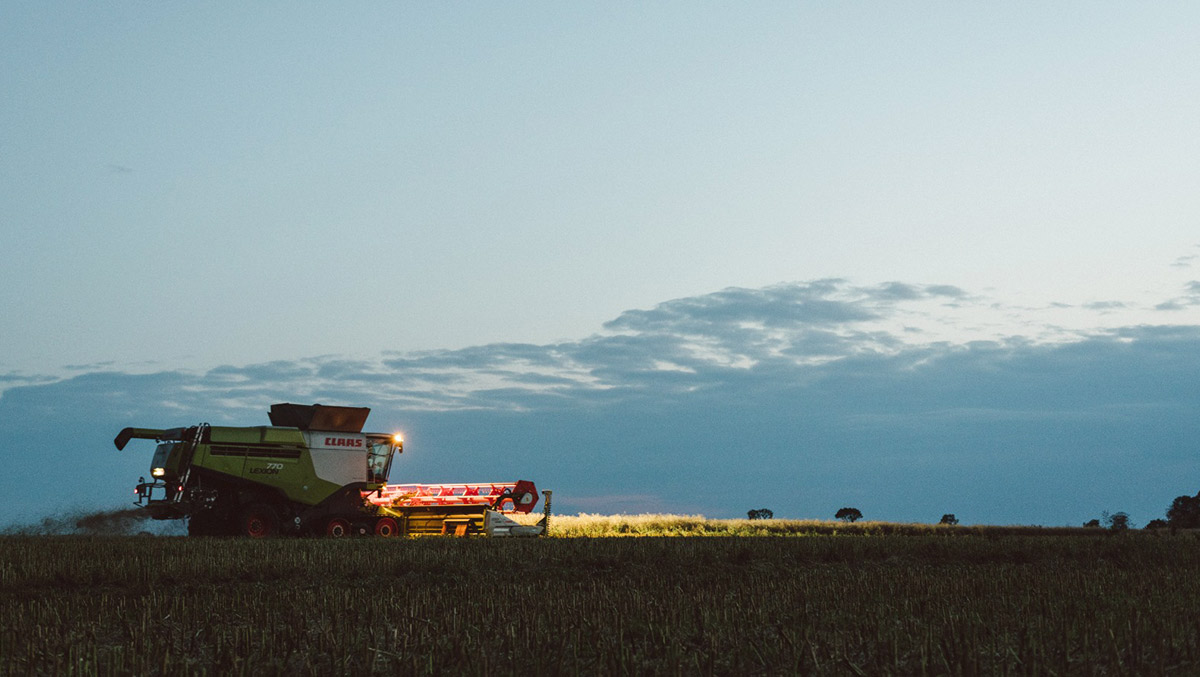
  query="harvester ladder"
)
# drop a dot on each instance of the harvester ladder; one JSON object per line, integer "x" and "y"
{"x": 188, "y": 457}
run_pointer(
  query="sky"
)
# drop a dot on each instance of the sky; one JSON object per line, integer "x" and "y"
{"x": 690, "y": 257}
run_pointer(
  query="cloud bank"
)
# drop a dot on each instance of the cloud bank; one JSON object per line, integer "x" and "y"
{"x": 904, "y": 400}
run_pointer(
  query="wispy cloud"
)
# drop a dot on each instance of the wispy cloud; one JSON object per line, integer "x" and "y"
{"x": 15, "y": 378}
{"x": 1189, "y": 298}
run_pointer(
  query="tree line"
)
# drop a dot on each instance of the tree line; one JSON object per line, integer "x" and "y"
{"x": 1184, "y": 513}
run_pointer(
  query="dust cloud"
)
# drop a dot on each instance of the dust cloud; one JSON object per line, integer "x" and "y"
{"x": 123, "y": 522}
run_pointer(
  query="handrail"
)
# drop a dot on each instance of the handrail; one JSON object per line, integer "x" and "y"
{"x": 188, "y": 457}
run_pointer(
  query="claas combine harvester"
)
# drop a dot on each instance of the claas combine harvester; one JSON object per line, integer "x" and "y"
{"x": 313, "y": 472}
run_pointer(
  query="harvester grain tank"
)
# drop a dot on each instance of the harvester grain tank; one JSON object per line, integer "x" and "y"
{"x": 312, "y": 471}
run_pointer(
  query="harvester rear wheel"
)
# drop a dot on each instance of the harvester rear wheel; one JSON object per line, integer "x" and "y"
{"x": 258, "y": 521}
{"x": 385, "y": 527}
{"x": 337, "y": 528}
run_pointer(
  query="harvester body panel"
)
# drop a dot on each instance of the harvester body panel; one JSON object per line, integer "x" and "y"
{"x": 339, "y": 457}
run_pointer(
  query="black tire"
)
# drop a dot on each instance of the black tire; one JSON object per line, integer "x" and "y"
{"x": 386, "y": 527}
{"x": 338, "y": 528}
{"x": 257, "y": 520}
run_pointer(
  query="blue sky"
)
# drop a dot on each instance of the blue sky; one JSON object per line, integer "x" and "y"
{"x": 922, "y": 258}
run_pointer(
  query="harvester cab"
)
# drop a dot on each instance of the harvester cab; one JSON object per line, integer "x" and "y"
{"x": 312, "y": 471}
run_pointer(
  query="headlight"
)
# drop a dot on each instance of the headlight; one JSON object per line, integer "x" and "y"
{"x": 158, "y": 472}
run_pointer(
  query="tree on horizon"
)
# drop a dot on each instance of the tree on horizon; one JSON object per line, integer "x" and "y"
{"x": 1184, "y": 512}
{"x": 849, "y": 514}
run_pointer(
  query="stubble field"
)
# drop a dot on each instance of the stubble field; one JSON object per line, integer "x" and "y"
{"x": 964, "y": 601}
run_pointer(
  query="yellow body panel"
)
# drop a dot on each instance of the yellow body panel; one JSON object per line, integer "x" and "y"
{"x": 271, "y": 457}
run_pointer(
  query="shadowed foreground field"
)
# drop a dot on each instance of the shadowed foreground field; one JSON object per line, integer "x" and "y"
{"x": 1112, "y": 604}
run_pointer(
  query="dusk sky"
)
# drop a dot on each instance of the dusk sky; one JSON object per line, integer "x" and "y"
{"x": 916, "y": 258}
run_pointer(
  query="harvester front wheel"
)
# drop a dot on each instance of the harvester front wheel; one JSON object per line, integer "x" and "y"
{"x": 386, "y": 527}
{"x": 337, "y": 528}
{"x": 258, "y": 521}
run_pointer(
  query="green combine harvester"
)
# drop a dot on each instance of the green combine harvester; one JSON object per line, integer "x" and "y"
{"x": 313, "y": 472}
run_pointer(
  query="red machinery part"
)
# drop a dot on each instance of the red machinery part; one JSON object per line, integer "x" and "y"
{"x": 525, "y": 496}
{"x": 519, "y": 496}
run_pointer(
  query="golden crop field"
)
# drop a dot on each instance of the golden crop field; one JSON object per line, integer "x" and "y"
{"x": 963, "y": 601}
{"x": 592, "y": 526}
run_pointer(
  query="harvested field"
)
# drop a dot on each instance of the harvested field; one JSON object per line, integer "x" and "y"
{"x": 1120, "y": 603}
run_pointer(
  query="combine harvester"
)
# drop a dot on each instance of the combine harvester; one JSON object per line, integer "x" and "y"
{"x": 313, "y": 472}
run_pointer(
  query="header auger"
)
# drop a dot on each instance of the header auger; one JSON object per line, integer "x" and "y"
{"x": 312, "y": 472}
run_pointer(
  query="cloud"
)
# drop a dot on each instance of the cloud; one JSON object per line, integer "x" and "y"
{"x": 799, "y": 397}
{"x": 945, "y": 290}
{"x": 824, "y": 302}
{"x": 14, "y": 378}
{"x": 1190, "y": 297}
